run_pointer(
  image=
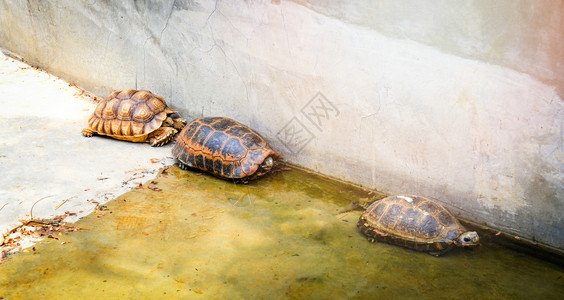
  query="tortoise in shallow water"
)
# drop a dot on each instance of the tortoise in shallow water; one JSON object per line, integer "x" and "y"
{"x": 135, "y": 116}
{"x": 414, "y": 222}
{"x": 224, "y": 148}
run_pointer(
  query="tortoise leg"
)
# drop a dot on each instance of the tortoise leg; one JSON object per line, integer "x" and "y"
{"x": 178, "y": 123}
{"x": 87, "y": 132}
{"x": 161, "y": 136}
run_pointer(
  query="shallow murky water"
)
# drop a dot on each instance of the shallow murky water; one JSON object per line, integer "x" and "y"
{"x": 279, "y": 237}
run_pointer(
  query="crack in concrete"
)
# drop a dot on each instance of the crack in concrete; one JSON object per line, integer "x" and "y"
{"x": 167, "y": 19}
{"x": 211, "y": 14}
{"x": 151, "y": 36}
{"x": 215, "y": 44}
{"x": 172, "y": 67}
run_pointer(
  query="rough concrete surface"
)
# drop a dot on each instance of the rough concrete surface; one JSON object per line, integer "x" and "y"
{"x": 462, "y": 103}
{"x": 45, "y": 162}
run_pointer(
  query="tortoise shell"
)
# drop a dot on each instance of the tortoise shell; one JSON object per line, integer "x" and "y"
{"x": 134, "y": 115}
{"x": 414, "y": 222}
{"x": 224, "y": 148}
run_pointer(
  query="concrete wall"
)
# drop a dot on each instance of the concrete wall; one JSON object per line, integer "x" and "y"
{"x": 462, "y": 101}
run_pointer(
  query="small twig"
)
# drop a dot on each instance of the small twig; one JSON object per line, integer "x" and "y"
{"x": 65, "y": 201}
{"x": 3, "y": 206}
{"x": 31, "y": 210}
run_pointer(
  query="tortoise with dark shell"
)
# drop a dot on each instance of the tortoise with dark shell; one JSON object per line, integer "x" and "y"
{"x": 414, "y": 222}
{"x": 135, "y": 116}
{"x": 224, "y": 148}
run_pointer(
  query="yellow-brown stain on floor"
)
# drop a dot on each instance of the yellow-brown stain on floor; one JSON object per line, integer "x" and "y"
{"x": 280, "y": 237}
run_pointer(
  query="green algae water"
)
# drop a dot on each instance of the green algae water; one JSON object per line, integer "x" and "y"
{"x": 187, "y": 235}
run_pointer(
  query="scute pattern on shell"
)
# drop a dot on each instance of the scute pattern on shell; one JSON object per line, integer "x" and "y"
{"x": 223, "y": 147}
{"x": 413, "y": 222}
{"x": 129, "y": 113}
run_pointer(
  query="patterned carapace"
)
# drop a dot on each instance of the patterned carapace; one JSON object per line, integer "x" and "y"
{"x": 414, "y": 222}
{"x": 225, "y": 148}
{"x": 136, "y": 116}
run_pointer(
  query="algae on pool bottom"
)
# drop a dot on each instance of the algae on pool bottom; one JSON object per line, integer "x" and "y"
{"x": 282, "y": 236}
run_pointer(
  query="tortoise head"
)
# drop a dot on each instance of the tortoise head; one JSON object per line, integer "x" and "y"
{"x": 168, "y": 122}
{"x": 265, "y": 166}
{"x": 469, "y": 238}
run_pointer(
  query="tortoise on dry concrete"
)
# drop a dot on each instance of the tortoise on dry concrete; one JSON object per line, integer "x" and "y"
{"x": 414, "y": 222}
{"x": 135, "y": 116}
{"x": 224, "y": 148}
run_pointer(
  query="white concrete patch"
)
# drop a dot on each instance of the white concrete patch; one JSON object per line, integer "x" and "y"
{"x": 46, "y": 163}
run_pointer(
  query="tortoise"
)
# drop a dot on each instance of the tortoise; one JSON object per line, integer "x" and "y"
{"x": 135, "y": 116}
{"x": 224, "y": 148}
{"x": 414, "y": 222}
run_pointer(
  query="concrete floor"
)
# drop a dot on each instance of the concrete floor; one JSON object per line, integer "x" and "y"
{"x": 45, "y": 162}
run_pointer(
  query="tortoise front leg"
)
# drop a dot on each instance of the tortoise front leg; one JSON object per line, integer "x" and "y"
{"x": 178, "y": 123}
{"x": 87, "y": 132}
{"x": 161, "y": 136}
